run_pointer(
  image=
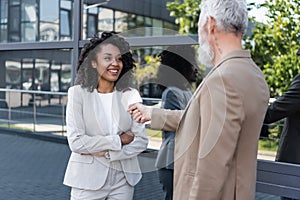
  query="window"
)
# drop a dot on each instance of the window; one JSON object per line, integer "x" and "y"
{"x": 92, "y": 25}
{"x": 121, "y": 24}
{"x": 106, "y": 20}
{"x": 48, "y": 70}
{"x": 65, "y": 24}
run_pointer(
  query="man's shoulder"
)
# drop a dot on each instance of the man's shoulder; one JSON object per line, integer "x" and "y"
{"x": 240, "y": 67}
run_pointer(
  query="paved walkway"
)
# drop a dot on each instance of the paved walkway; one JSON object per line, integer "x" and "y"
{"x": 33, "y": 169}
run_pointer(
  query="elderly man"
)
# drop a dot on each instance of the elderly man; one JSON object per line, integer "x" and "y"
{"x": 218, "y": 132}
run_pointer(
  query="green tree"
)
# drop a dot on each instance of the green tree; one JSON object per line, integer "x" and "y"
{"x": 274, "y": 44}
{"x": 147, "y": 72}
{"x": 186, "y": 15}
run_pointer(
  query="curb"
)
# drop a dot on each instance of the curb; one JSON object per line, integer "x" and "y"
{"x": 41, "y": 135}
{"x": 46, "y": 136}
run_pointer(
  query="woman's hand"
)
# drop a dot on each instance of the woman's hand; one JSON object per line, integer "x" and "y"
{"x": 97, "y": 154}
{"x": 126, "y": 137}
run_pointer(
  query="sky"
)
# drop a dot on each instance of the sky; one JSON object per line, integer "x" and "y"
{"x": 258, "y": 13}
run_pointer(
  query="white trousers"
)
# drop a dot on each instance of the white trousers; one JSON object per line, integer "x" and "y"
{"x": 115, "y": 188}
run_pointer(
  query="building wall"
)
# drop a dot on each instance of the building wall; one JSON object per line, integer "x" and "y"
{"x": 40, "y": 40}
{"x": 149, "y": 8}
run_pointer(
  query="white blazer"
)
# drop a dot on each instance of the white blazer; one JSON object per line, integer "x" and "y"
{"x": 86, "y": 134}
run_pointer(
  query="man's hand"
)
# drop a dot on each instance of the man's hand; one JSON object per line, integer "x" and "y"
{"x": 140, "y": 113}
{"x": 126, "y": 137}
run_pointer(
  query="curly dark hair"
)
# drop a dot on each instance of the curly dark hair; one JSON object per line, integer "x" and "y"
{"x": 180, "y": 58}
{"x": 87, "y": 76}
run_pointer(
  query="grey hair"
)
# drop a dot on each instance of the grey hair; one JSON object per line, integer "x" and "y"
{"x": 230, "y": 15}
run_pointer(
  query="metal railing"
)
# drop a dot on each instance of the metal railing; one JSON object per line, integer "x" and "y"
{"x": 36, "y": 111}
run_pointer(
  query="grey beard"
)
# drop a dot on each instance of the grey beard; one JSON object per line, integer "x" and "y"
{"x": 206, "y": 55}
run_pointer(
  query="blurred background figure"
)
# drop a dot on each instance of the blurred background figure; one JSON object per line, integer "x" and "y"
{"x": 178, "y": 70}
{"x": 287, "y": 106}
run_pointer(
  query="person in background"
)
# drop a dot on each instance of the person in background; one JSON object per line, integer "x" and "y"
{"x": 177, "y": 72}
{"x": 102, "y": 136}
{"x": 217, "y": 133}
{"x": 287, "y": 106}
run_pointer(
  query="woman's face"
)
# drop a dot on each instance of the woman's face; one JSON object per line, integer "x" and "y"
{"x": 108, "y": 62}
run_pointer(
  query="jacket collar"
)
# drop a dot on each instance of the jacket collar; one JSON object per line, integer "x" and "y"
{"x": 233, "y": 54}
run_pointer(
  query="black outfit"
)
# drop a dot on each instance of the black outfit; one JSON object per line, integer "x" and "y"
{"x": 287, "y": 106}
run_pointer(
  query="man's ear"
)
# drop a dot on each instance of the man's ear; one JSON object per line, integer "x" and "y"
{"x": 211, "y": 24}
{"x": 94, "y": 64}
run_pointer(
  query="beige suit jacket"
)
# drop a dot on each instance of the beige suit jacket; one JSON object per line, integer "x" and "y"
{"x": 217, "y": 134}
{"x": 87, "y": 134}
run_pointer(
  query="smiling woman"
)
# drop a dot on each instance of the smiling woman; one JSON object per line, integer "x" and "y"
{"x": 109, "y": 65}
{"x": 101, "y": 134}
{"x": 108, "y": 52}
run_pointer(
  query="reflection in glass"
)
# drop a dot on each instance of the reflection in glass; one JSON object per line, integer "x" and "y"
{"x": 13, "y": 74}
{"x": 66, "y": 4}
{"x": 92, "y": 25}
{"x": 49, "y": 21}
{"x": 169, "y": 28}
{"x": 14, "y": 25}
{"x": 140, "y": 21}
{"x": 3, "y": 11}
{"x": 105, "y": 19}
{"x": 46, "y": 70}
{"x": 49, "y": 14}
{"x": 35, "y": 20}
{"x": 65, "y": 26}
{"x": 98, "y": 19}
{"x": 28, "y": 31}
{"x": 157, "y": 31}
{"x": 132, "y": 24}
{"x": 148, "y": 23}
{"x": 121, "y": 21}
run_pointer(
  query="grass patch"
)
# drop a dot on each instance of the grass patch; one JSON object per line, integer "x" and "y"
{"x": 271, "y": 143}
{"x": 13, "y": 126}
{"x": 268, "y": 145}
{"x": 153, "y": 133}
{"x": 263, "y": 144}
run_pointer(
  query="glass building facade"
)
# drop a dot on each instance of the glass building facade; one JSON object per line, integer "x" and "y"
{"x": 40, "y": 40}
